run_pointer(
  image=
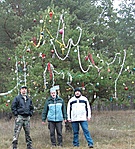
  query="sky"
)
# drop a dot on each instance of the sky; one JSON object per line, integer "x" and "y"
{"x": 116, "y": 3}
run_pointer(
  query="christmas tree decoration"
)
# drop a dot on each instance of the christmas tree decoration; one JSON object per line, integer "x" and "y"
{"x": 41, "y": 21}
{"x": 51, "y": 14}
{"x": 126, "y": 88}
{"x": 34, "y": 20}
{"x": 133, "y": 69}
{"x": 28, "y": 50}
{"x": 61, "y": 31}
{"x": 52, "y": 51}
{"x": 63, "y": 49}
{"x": 86, "y": 58}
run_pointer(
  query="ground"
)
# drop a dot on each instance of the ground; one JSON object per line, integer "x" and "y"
{"x": 109, "y": 130}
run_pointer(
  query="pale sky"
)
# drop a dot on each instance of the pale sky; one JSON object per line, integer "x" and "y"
{"x": 116, "y": 3}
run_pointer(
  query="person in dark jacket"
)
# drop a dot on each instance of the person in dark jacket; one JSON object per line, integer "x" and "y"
{"x": 22, "y": 108}
{"x": 55, "y": 112}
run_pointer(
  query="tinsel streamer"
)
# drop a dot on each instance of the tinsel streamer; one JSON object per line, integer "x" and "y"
{"x": 115, "y": 95}
{"x": 91, "y": 58}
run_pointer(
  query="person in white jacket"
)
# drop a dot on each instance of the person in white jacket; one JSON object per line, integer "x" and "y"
{"x": 79, "y": 113}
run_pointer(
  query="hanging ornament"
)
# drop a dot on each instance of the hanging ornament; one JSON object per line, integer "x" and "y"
{"x": 34, "y": 20}
{"x": 9, "y": 58}
{"x": 102, "y": 78}
{"x": 61, "y": 31}
{"x": 43, "y": 56}
{"x": 28, "y": 50}
{"x": 52, "y": 51}
{"x": 51, "y": 14}
{"x": 33, "y": 58}
{"x": 34, "y": 39}
{"x": 97, "y": 84}
{"x": 108, "y": 70}
{"x": 95, "y": 95}
{"x": 111, "y": 98}
{"x": 126, "y": 88}
{"x": 41, "y": 21}
{"x": 63, "y": 49}
{"x": 134, "y": 69}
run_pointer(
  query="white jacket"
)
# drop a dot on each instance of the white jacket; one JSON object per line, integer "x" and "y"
{"x": 78, "y": 109}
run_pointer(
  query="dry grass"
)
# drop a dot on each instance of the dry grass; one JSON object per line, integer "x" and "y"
{"x": 109, "y": 130}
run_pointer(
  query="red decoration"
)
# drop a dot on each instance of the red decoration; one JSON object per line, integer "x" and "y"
{"x": 52, "y": 51}
{"x": 126, "y": 88}
{"x": 61, "y": 31}
{"x": 109, "y": 70}
{"x": 91, "y": 59}
{"x": 34, "y": 20}
{"x": 86, "y": 58}
{"x": 6, "y": 104}
{"x": 43, "y": 56}
{"x": 34, "y": 39}
{"x": 51, "y": 14}
{"x": 49, "y": 69}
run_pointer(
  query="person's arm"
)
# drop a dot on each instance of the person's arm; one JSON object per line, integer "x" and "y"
{"x": 68, "y": 112}
{"x": 89, "y": 111}
{"x": 64, "y": 111}
{"x": 14, "y": 106}
{"x": 31, "y": 108}
{"x": 44, "y": 112}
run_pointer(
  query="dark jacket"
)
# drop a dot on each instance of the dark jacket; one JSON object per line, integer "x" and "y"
{"x": 54, "y": 110}
{"x": 21, "y": 107}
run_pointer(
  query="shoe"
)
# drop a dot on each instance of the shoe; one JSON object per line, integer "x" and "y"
{"x": 91, "y": 146}
{"x": 29, "y": 147}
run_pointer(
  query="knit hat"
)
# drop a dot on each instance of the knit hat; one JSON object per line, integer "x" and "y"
{"x": 52, "y": 89}
{"x": 77, "y": 89}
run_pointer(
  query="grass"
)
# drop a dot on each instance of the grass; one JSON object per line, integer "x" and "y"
{"x": 109, "y": 130}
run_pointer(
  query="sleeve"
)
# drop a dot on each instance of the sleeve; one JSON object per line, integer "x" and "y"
{"x": 45, "y": 112}
{"x": 31, "y": 108}
{"x": 64, "y": 111}
{"x": 88, "y": 109}
{"x": 68, "y": 111}
{"x": 14, "y": 106}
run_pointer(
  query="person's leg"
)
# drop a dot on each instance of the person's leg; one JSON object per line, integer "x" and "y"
{"x": 84, "y": 125}
{"x": 59, "y": 133}
{"x": 26, "y": 127}
{"x": 52, "y": 127}
{"x": 75, "y": 127}
{"x": 17, "y": 130}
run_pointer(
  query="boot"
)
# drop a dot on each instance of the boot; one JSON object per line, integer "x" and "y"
{"x": 29, "y": 147}
{"x": 14, "y": 144}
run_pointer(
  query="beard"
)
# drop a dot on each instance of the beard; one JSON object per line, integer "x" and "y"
{"x": 77, "y": 96}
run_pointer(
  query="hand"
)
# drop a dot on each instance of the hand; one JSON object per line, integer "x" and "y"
{"x": 88, "y": 119}
{"x": 43, "y": 123}
{"x": 69, "y": 120}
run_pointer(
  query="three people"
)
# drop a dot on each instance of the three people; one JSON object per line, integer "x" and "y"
{"x": 55, "y": 113}
{"x": 79, "y": 112}
{"x": 22, "y": 108}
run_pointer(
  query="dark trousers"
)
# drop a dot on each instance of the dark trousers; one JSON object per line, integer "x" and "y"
{"x": 55, "y": 127}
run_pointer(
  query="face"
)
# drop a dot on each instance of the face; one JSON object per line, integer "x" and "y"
{"x": 53, "y": 94}
{"x": 77, "y": 93}
{"x": 23, "y": 91}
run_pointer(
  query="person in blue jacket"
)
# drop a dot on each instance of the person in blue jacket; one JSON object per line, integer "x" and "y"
{"x": 55, "y": 113}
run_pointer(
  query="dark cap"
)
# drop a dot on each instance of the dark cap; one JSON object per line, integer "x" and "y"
{"x": 77, "y": 89}
{"x": 23, "y": 87}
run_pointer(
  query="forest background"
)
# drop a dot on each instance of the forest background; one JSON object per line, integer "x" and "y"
{"x": 67, "y": 44}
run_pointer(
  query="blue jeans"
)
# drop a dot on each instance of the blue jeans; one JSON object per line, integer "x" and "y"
{"x": 84, "y": 125}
